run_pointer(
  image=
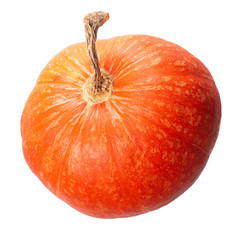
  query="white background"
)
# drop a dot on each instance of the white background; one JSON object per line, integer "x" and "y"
{"x": 32, "y": 32}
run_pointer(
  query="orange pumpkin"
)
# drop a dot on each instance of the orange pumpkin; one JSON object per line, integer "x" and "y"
{"x": 123, "y": 129}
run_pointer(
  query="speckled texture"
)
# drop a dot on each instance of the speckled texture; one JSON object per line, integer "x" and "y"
{"x": 135, "y": 152}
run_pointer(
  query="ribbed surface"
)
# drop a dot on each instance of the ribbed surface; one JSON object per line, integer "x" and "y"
{"x": 135, "y": 152}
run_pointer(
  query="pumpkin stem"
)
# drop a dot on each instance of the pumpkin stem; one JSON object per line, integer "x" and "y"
{"x": 98, "y": 88}
{"x": 92, "y": 22}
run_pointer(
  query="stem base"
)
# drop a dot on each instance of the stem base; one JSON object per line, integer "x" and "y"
{"x": 102, "y": 93}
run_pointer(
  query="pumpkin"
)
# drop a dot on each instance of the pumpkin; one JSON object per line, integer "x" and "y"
{"x": 120, "y": 127}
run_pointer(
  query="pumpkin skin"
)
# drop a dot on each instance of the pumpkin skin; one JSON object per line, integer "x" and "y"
{"x": 137, "y": 151}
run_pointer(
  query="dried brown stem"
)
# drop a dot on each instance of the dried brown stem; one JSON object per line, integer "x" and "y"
{"x": 92, "y": 22}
